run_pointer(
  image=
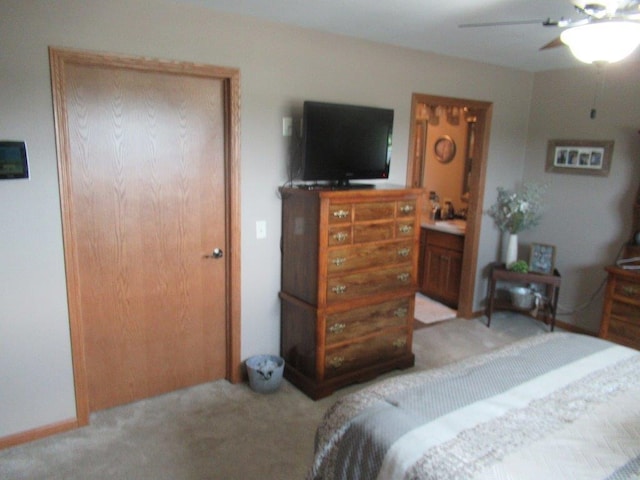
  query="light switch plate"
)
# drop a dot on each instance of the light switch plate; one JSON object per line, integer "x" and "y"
{"x": 287, "y": 126}
{"x": 261, "y": 229}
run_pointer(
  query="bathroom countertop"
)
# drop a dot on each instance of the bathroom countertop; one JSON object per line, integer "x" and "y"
{"x": 455, "y": 226}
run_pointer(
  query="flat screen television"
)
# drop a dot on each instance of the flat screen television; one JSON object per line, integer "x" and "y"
{"x": 345, "y": 142}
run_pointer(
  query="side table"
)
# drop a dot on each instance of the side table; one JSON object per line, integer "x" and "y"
{"x": 552, "y": 290}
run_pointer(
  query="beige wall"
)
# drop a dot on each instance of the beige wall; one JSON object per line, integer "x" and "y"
{"x": 587, "y": 218}
{"x": 280, "y": 67}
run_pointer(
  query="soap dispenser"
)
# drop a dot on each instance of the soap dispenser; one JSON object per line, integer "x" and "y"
{"x": 435, "y": 206}
{"x": 448, "y": 212}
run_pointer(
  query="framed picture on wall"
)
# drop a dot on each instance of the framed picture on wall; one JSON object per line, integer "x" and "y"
{"x": 542, "y": 258}
{"x": 584, "y": 157}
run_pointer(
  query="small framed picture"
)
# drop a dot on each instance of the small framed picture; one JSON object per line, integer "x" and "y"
{"x": 542, "y": 258}
{"x": 584, "y": 157}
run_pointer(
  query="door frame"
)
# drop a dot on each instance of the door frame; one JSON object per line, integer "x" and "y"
{"x": 415, "y": 169}
{"x": 58, "y": 59}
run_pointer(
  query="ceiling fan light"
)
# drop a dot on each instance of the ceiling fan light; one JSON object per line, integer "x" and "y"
{"x": 609, "y": 41}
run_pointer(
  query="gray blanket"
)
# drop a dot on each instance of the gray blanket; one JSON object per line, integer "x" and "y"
{"x": 553, "y": 403}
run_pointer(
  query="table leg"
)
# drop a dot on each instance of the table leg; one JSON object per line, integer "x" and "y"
{"x": 554, "y": 307}
{"x": 489, "y": 310}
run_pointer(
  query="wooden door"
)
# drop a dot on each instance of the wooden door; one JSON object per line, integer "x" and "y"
{"x": 144, "y": 150}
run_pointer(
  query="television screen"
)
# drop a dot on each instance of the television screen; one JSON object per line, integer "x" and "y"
{"x": 345, "y": 142}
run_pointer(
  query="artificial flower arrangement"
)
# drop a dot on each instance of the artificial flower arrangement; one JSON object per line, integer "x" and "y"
{"x": 518, "y": 210}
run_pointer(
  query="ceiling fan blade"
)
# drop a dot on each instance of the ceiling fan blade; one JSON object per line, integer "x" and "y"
{"x": 501, "y": 24}
{"x": 556, "y": 42}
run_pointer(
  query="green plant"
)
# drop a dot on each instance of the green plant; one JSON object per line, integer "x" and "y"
{"x": 519, "y": 266}
{"x": 519, "y": 210}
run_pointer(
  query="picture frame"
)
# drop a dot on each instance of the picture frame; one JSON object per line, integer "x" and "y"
{"x": 542, "y": 258}
{"x": 583, "y": 157}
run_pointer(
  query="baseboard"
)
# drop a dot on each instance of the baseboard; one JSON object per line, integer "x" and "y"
{"x": 37, "y": 433}
{"x": 569, "y": 327}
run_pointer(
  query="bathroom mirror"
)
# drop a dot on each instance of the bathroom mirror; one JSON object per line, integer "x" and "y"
{"x": 444, "y": 149}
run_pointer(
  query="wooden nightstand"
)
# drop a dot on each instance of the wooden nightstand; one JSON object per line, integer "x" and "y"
{"x": 552, "y": 282}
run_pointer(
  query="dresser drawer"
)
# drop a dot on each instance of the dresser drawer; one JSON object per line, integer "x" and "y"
{"x": 358, "y": 322}
{"x": 627, "y": 290}
{"x": 406, "y": 209}
{"x": 340, "y": 235}
{"x": 406, "y": 229}
{"x": 346, "y": 287}
{"x": 366, "y": 212}
{"x": 361, "y": 354}
{"x": 340, "y": 213}
{"x": 373, "y": 232}
{"x": 356, "y": 257}
{"x": 623, "y": 332}
{"x": 626, "y": 311}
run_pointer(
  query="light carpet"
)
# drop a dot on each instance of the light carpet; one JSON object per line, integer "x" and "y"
{"x": 428, "y": 310}
{"x": 228, "y": 432}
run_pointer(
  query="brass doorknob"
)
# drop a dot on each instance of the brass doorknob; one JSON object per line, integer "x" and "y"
{"x": 217, "y": 253}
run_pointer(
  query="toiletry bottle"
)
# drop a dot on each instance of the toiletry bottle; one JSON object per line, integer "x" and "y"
{"x": 447, "y": 210}
{"x": 450, "y": 211}
{"x": 435, "y": 206}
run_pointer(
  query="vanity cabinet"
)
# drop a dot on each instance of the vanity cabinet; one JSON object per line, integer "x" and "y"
{"x": 349, "y": 277}
{"x": 441, "y": 265}
{"x": 621, "y": 309}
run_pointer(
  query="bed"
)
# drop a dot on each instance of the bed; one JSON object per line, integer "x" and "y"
{"x": 557, "y": 405}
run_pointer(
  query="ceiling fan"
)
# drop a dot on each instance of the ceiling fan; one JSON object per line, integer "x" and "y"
{"x": 606, "y": 31}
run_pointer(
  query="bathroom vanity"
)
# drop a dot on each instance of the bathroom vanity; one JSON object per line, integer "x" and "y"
{"x": 440, "y": 267}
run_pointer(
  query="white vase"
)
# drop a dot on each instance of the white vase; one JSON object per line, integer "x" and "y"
{"x": 511, "y": 254}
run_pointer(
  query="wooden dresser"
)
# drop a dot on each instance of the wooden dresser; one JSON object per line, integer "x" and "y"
{"x": 621, "y": 313}
{"x": 349, "y": 277}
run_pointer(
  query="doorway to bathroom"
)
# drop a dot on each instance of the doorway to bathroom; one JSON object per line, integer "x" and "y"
{"x": 449, "y": 141}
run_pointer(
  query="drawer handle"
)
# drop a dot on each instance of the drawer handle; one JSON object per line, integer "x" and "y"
{"x": 337, "y": 327}
{"x": 339, "y": 261}
{"x": 630, "y": 291}
{"x": 401, "y": 312}
{"x": 336, "y": 362}
{"x": 403, "y": 277}
{"x": 406, "y": 228}
{"x": 339, "y": 289}
{"x": 341, "y": 213}
{"x": 404, "y": 252}
{"x": 406, "y": 208}
{"x": 340, "y": 236}
{"x": 400, "y": 342}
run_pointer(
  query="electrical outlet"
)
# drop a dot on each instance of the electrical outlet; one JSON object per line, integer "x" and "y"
{"x": 261, "y": 229}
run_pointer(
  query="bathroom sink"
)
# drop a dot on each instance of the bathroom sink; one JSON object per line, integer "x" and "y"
{"x": 457, "y": 226}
